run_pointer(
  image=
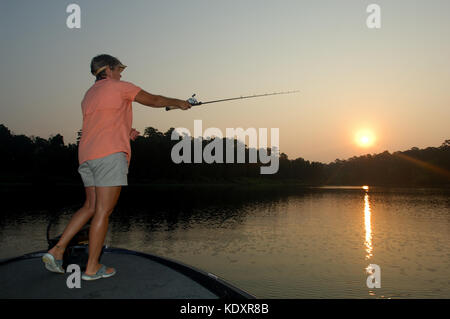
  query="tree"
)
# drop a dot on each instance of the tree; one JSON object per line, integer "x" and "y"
{"x": 445, "y": 144}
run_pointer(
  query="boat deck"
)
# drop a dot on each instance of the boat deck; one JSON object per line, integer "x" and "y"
{"x": 139, "y": 276}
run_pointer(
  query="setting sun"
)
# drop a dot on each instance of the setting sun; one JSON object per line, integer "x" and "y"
{"x": 365, "y": 138}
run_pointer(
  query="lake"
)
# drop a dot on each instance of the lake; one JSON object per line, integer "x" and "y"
{"x": 273, "y": 243}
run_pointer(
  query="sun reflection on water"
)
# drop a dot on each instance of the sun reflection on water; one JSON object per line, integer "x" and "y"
{"x": 368, "y": 226}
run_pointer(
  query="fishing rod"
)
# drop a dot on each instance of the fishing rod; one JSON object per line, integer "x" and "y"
{"x": 193, "y": 101}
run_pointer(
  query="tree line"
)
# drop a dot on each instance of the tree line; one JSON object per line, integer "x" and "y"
{"x": 33, "y": 159}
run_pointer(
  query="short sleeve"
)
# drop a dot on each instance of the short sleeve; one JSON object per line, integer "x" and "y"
{"x": 128, "y": 90}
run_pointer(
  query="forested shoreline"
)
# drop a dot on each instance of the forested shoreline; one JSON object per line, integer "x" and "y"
{"x": 36, "y": 160}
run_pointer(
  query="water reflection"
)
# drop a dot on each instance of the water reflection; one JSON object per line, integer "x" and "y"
{"x": 368, "y": 226}
{"x": 309, "y": 243}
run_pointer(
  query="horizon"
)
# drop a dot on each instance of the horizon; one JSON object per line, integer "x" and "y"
{"x": 362, "y": 91}
{"x": 66, "y": 144}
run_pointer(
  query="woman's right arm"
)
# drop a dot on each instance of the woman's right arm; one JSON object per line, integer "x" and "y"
{"x": 148, "y": 99}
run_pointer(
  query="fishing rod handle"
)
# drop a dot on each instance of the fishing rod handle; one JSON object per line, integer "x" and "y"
{"x": 170, "y": 108}
{"x": 191, "y": 101}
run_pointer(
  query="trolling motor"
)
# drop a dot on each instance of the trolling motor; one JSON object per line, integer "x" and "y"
{"x": 193, "y": 101}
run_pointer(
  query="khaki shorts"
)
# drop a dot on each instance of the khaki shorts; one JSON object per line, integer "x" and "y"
{"x": 110, "y": 170}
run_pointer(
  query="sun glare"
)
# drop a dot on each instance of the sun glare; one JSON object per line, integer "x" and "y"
{"x": 364, "y": 138}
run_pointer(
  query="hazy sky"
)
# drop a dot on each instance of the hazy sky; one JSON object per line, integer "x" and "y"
{"x": 392, "y": 81}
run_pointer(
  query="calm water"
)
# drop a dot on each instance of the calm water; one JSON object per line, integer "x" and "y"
{"x": 313, "y": 243}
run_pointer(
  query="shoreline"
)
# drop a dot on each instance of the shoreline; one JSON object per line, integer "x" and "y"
{"x": 237, "y": 183}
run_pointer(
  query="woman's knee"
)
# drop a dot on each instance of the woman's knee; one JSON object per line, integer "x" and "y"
{"x": 89, "y": 209}
{"x": 106, "y": 200}
{"x": 103, "y": 212}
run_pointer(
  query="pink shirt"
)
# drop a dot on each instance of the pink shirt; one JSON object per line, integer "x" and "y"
{"x": 107, "y": 119}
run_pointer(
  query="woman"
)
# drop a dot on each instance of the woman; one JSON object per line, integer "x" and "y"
{"x": 104, "y": 156}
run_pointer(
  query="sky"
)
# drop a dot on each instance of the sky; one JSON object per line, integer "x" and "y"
{"x": 388, "y": 85}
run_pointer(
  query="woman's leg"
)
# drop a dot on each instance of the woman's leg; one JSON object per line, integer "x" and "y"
{"x": 79, "y": 219}
{"x": 106, "y": 199}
